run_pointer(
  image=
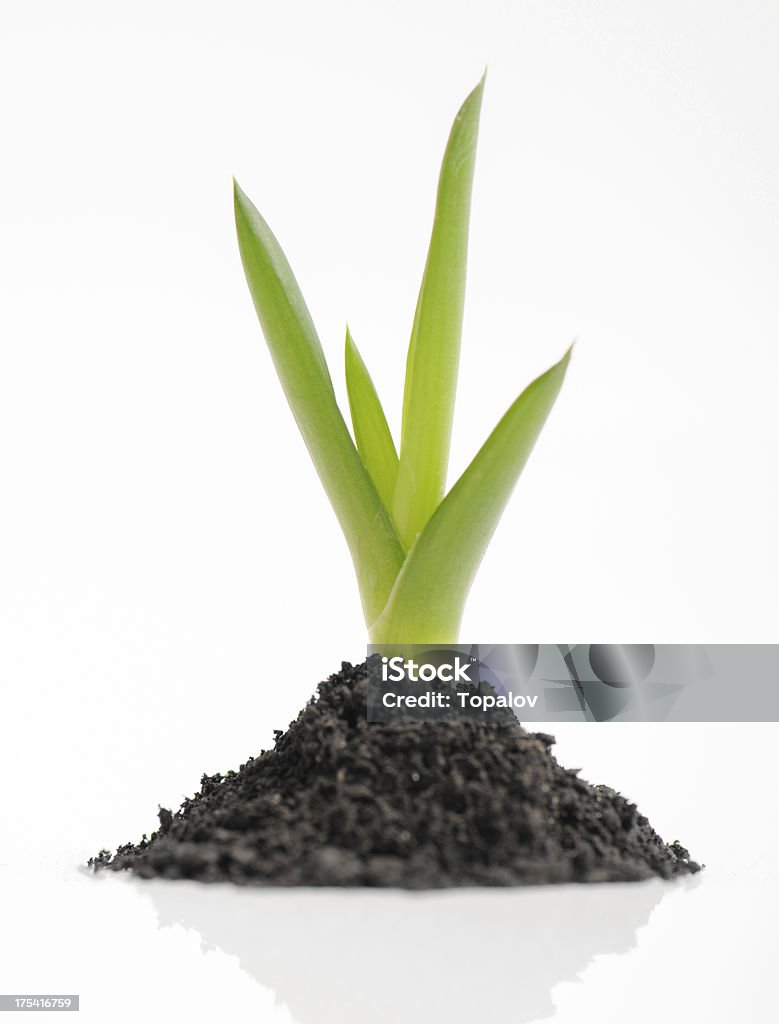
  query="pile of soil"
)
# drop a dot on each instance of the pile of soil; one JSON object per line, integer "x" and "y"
{"x": 419, "y": 805}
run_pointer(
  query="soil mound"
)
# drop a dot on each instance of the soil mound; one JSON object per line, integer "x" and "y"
{"x": 418, "y": 805}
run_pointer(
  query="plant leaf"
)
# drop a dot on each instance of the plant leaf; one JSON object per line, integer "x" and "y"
{"x": 371, "y": 431}
{"x": 300, "y": 363}
{"x": 434, "y": 349}
{"x": 426, "y": 603}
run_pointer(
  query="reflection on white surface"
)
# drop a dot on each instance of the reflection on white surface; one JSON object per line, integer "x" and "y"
{"x": 337, "y": 956}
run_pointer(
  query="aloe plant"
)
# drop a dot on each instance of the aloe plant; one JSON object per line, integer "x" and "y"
{"x": 415, "y": 547}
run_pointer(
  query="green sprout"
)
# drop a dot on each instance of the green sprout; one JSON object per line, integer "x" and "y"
{"x": 415, "y": 547}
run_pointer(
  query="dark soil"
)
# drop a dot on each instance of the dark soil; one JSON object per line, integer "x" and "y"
{"x": 419, "y": 805}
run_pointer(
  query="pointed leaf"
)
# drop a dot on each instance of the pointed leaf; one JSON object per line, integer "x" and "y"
{"x": 426, "y": 603}
{"x": 371, "y": 431}
{"x": 302, "y": 369}
{"x": 434, "y": 349}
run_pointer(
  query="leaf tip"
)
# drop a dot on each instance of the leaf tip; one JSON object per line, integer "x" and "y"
{"x": 560, "y": 368}
{"x": 350, "y": 350}
{"x": 474, "y": 97}
{"x": 242, "y": 203}
{"x": 240, "y": 200}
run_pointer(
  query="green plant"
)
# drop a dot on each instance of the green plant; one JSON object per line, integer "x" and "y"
{"x": 415, "y": 548}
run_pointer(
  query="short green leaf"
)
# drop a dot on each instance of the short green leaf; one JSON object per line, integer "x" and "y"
{"x": 434, "y": 349}
{"x": 302, "y": 369}
{"x": 371, "y": 431}
{"x": 426, "y": 603}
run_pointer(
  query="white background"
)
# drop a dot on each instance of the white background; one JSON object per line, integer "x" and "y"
{"x": 172, "y": 581}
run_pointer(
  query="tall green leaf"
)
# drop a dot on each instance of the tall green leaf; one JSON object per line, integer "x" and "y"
{"x": 302, "y": 369}
{"x": 371, "y": 431}
{"x": 434, "y": 349}
{"x": 426, "y": 603}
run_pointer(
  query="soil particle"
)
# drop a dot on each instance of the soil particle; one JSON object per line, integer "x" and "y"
{"x": 417, "y": 805}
